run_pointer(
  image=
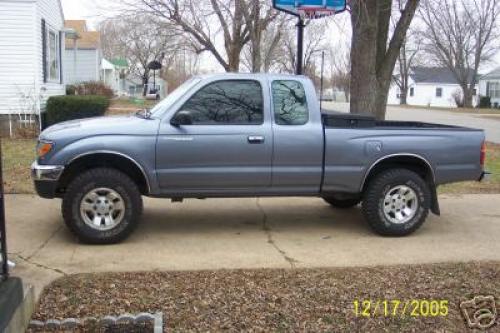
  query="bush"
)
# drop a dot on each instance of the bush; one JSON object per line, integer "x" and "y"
{"x": 485, "y": 102}
{"x": 70, "y": 89}
{"x": 94, "y": 88}
{"x": 62, "y": 108}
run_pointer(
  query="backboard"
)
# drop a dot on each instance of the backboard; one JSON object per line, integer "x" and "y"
{"x": 310, "y": 8}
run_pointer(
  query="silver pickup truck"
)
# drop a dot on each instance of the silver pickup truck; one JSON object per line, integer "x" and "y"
{"x": 248, "y": 135}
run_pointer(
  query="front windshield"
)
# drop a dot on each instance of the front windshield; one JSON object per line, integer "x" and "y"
{"x": 175, "y": 95}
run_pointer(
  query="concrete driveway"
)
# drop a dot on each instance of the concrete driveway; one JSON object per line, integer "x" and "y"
{"x": 490, "y": 123}
{"x": 246, "y": 233}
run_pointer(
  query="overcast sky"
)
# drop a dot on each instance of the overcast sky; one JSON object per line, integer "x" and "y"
{"x": 95, "y": 10}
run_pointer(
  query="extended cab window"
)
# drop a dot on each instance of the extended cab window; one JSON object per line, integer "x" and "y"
{"x": 290, "y": 105}
{"x": 237, "y": 102}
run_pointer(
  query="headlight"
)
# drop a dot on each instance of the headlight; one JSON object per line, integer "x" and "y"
{"x": 43, "y": 148}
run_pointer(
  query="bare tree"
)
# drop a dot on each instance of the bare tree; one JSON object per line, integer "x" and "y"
{"x": 340, "y": 69}
{"x": 202, "y": 21}
{"x": 373, "y": 53}
{"x": 140, "y": 40}
{"x": 407, "y": 58}
{"x": 461, "y": 35}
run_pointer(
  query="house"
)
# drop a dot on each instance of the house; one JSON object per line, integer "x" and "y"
{"x": 31, "y": 44}
{"x": 83, "y": 56}
{"x": 429, "y": 86}
{"x": 113, "y": 74}
{"x": 489, "y": 85}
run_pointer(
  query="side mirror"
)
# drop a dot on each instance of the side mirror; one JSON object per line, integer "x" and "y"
{"x": 182, "y": 118}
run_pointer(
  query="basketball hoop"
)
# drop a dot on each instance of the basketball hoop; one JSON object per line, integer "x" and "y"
{"x": 306, "y": 13}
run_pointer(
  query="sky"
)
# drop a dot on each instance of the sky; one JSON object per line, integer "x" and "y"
{"x": 95, "y": 10}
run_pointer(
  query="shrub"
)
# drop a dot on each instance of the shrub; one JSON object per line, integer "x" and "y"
{"x": 95, "y": 88}
{"x": 62, "y": 108}
{"x": 70, "y": 89}
{"x": 485, "y": 102}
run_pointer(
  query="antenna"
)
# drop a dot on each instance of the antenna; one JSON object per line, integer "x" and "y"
{"x": 321, "y": 82}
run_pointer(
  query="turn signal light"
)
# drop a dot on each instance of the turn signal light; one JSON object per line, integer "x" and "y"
{"x": 44, "y": 148}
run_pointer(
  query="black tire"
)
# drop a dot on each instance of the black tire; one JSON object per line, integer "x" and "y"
{"x": 342, "y": 203}
{"x": 97, "y": 178}
{"x": 374, "y": 202}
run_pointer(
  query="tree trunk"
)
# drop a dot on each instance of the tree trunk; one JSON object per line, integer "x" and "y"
{"x": 372, "y": 58}
{"x": 403, "y": 99}
{"x": 363, "y": 57}
{"x": 468, "y": 97}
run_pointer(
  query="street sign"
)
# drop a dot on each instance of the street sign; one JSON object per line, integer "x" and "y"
{"x": 310, "y": 8}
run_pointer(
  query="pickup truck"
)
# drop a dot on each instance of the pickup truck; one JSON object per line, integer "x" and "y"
{"x": 249, "y": 135}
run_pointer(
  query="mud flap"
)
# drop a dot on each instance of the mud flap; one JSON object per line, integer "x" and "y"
{"x": 434, "y": 201}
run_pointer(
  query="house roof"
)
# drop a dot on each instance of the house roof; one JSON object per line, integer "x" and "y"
{"x": 494, "y": 74}
{"x": 119, "y": 62}
{"x": 89, "y": 40}
{"x": 433, "y": 75}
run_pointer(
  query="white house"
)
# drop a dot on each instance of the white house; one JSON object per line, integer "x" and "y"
{"x": 489, "y": 85}
{"x": 429, "y": 86}
{"x": 113, "y": 74}
{"x": 31, "y": 40}
{"x": 83, "y": 55}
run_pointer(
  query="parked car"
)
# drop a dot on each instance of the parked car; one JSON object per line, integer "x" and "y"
{"x": 248, "y": 135}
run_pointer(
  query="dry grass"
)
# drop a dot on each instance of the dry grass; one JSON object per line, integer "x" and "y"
{"x": 127, "y": 106}
{"x": 316, "y": 300}
{"x": 18, "y": 154}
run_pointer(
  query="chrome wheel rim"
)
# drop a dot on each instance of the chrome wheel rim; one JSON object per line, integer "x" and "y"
{"x": 102, "y": 209}
{"x": 400, "y": 204}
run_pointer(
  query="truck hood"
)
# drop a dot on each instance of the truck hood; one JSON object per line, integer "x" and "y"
{"x": 114, "y": 125}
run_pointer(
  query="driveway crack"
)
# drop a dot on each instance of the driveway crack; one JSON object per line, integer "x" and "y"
{"x": 44, "y": 244}
{"x": 267, "y": 229}
{"x": 28, "y": 261}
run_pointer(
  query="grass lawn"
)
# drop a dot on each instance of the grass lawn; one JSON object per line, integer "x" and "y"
{"x": 127, "y": 105}
{"x": 491, "y": 111}
{"x": 18, "y": 154}
{"x": 311, "y": 300}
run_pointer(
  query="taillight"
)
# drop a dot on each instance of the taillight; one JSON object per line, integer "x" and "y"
{"x": 482, "y": 157}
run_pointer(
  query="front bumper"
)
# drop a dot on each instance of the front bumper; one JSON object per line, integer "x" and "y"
{"x": 46, "y": 179}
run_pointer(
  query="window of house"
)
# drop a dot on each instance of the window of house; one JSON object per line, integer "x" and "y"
{"x": 53, "y": 55}
{"x": 290, "y": 104}
{"x": 412, "y": 92}
{"x": 494, "y": 89}
{"x": 439, "y": 92}
{"x": 234, "y": 102}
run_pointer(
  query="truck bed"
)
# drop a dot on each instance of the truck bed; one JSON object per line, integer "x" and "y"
{"x": 333, "y": 119}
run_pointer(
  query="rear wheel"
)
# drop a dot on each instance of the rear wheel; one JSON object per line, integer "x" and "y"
{"x": 340, "y": 202}
{"x": 396, "y": 202}
{"x": 102, "y": 206}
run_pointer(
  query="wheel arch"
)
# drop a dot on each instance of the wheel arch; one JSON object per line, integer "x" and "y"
{"x": 413, "y": 162}
{"x": 104, "y": 158}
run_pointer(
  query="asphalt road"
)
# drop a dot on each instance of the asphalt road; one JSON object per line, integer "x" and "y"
{"x": 491, "y": 124}
{"x": 246, "y": 233}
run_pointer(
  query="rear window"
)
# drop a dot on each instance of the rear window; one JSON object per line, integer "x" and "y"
{"x": 290, "y": 104}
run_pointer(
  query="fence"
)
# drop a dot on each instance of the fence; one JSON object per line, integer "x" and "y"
{"x": 4, "y": 269}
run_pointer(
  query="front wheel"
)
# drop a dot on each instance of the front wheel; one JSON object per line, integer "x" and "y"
{"x": 396, "y": 202}
{"x": 102, "y": 206}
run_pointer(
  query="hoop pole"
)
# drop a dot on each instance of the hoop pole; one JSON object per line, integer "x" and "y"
{"x": 3, "y": 240}
{"x": 300, "y": 46}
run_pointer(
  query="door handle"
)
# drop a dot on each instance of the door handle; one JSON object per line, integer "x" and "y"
{"x": 255, "y": 139}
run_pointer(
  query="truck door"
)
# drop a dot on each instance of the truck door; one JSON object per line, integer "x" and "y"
{"x": 226, "y": 149}
{"x": 298, "y": 137}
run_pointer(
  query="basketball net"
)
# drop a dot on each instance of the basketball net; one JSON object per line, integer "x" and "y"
{"x": 314, "y": 13}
